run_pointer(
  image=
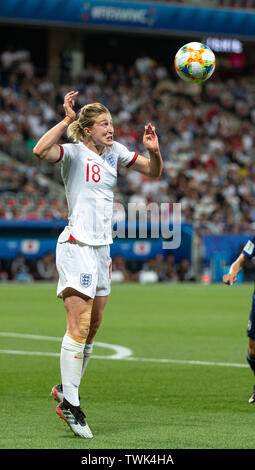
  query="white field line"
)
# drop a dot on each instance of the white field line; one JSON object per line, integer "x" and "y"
{"x": 121, "y": 353}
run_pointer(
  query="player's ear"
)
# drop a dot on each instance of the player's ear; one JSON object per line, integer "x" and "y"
{"x": 87, "y": 131}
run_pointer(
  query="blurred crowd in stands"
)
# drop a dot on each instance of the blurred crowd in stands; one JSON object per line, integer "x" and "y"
{"x": 25, "y": 193}
{"x": 22, "y": 269}
{"x": 166, "y": 269}
{"x": 206, "y": 134}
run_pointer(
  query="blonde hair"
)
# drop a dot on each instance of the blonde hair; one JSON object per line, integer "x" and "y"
{"x": 86, "y": 118}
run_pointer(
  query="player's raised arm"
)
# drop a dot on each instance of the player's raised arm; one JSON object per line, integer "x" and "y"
{"x": 150, "y": 166}
{"x": 47, "y": 147}
{"x": 235, "y": 268}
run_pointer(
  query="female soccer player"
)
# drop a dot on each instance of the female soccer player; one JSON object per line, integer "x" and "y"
{"x": 89, "y": 172}
{"x": 230, "y": 278}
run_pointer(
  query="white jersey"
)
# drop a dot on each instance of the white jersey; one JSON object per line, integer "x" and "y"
{"x": 90, "y": 180}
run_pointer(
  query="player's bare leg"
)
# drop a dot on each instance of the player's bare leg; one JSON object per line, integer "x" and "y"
{"x": 97, "y": 311}
{"x": 251, "y": 361}
{"x": 251, "y": 348}
{"x": 78, "y": 308}
{"x": 98, "y": 307}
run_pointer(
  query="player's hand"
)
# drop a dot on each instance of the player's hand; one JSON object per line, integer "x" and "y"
{"x": 150, "y": 138}
{"x": 229, "y": 278}
{"x": 69, "y": 104}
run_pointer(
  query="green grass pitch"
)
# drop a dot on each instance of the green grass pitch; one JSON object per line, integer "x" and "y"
{"x": 183, "y": 382}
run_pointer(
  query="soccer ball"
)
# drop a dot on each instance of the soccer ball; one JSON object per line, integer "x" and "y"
{"x": 195, "y": 62}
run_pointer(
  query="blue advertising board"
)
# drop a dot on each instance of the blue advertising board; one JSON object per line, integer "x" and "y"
{"x": 35, "y": 238}
{"x": 229, "y": 246}
{"x": 144, "y": 16}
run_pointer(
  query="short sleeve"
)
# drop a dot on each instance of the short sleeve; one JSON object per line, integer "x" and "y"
{"x": 61, "y": 153}
{"x": 249, "y": 249}
{"x": 125, "y": 157}
{"x": 66, "y": 152}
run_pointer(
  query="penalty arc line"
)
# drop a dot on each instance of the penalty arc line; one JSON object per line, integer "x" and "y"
{"x": 120, "y": 351}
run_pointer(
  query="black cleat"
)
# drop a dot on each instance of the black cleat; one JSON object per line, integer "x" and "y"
{"x": 75, "y": 418}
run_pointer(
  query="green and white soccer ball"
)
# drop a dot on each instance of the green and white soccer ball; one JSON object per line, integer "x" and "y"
{"x": 195, "y": 62}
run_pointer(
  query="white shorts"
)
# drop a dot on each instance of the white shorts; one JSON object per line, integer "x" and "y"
{"x": 85, "y": 268}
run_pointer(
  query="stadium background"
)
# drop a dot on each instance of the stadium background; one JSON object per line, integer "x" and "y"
{"x": 206, "y": 132}
{"x": 184, "y": 382}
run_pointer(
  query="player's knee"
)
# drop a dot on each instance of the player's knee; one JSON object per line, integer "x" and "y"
{"x": 251, "y": 348}
{"x": 251, "y": 351}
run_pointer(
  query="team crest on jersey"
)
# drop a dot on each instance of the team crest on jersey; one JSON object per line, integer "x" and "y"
{"x": 111, "y": 161}
{"x": 85, "y": 279}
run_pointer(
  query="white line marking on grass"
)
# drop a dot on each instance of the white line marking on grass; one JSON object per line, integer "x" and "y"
{"x": 180, "y": 361}
{"x": 121, "y": 352}
{"x": 21, "y": 335}
{"x": 28, "y": 353}
{"x": 135, "y": 359}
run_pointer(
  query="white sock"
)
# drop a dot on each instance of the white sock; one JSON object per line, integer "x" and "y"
{"x": 71, "y": 366}
{"x": 87, "y": 353}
